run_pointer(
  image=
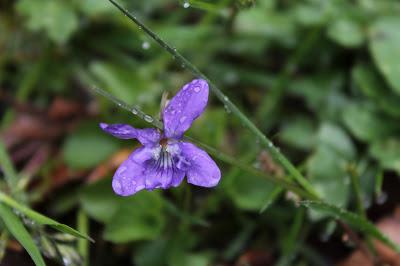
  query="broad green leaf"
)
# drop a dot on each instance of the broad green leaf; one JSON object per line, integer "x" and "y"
{"x": 325, "y": 169}
{"x": 346, "y": 32}
{"x": 384, "y": 46}
{"x": 387, "y": 152}
{"x": 39, "y": 218}
{"x": 88, "y": 146}
{"x": 366, "y": 124}
{"x": 17, "y": 229}
{"x": 299, "y": 132}
{"x": 357, "y": 222}
{"x": 326, "y": 166}
{"x": 374, "y": 87}
{"x": 129, "y": 82}
{"x": 336, "y": 139}
{"x": 271, "y": 25}
{"x": 248, "y": 192}
{"x": 57, "y": 18}
{"x": 152, "y": 253}
{"x": 139, "y": 217}
{"x": 99, "y": 201}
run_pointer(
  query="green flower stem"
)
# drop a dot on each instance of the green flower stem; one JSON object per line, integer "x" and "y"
{"x": 220, "y": 155}
{"x": 275, "y": 153}
{"x": 83, "y": 244}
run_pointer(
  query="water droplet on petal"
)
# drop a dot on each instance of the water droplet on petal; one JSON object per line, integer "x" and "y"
{"x": 148, "y": 118}
{"x": 121, "y": 170}
{"x": 182, "y": 119}
{"x": 196, "y": 89}
{"x": 117, "y": 185}
{"x": 186, "y": 4}
{"x": 145, "y": 45}
{"x": 133, "y": 183}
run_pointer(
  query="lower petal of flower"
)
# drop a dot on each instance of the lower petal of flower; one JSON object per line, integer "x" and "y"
{"x": 202, "y": 170}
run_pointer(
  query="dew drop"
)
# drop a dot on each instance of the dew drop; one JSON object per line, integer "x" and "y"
{"x": 134, "y": 111}
{"x": 145, "y": 45}
{"x": 227, "y": 109}
{"x": 148, "y": 118}
{"x": 196, "y": 89}
{"x": 182, "y": 119}
{"x": 121, "y": 170}
{"x": 226, "y": 98}
{"x": 133, "y": 183}
{"x": 117, "y": 185}
{"x": 186, "y": 4}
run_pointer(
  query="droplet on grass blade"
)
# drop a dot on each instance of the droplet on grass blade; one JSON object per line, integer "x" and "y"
{"x": 145, "y": 45}
{"x": 148, "y": 118}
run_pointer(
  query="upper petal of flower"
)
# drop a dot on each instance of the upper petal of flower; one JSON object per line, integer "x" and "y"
{"x": 146, "y": 136}
{"x": 129, "y": 177}
{"x": 202, "y": 170}
{"x": 185, "y": 107}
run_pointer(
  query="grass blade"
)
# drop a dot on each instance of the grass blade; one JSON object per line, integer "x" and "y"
{"x": 18, "y": 230}
{"x": 41, "y": 219}
{"x": 356, "y": 221}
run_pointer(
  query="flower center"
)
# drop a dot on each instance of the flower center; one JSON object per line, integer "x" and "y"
{"x": 164, "y": 143}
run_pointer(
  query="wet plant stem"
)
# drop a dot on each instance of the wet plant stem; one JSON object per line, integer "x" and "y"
{"x": 274, "y": 151}
{"x": 284, "y": 182}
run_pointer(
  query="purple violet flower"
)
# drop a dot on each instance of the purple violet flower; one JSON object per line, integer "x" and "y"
{"x": 164, "y": 159}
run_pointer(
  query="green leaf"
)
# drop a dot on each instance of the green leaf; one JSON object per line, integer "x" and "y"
{"x": 298, "y": 132}
{"x": 336, "y": 139}
{"x": 39, "y": 218}
{"x": 271, "y": 25}
{"x": 384, "y": 46}
{"x": 247, "y": 191}
{"x": 99, "y": 201}
{"x": 374, "y": 87}
{"x": 387, "y": 152}
{"x": 346, "y": 32}
{"x": 17, "y": 229}
{"x": 139, "y": 217}
{"x": 357, "y": 222}
{"x": 325, "y": 169}
{"x": 88, "y": 146}
{"x": 366, "y": 124}
{"x": 57, "y": 18}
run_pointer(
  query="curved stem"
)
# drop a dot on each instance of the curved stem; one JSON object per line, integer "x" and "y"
{"x": 275, "y": 153}
{"x": 220, "y": 155}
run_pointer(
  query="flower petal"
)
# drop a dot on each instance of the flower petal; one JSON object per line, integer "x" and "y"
{"x": 161, "y": 173}
{"x": 203, "y": 171}
{"x": 185, "y": 107}
{"x": 146, "y": 136}
{"x": 129, "y": 177}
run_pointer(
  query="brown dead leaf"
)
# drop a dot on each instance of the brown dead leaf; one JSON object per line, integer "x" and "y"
{"x": 108, "y": 166}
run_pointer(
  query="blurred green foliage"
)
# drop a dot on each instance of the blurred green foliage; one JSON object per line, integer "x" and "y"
{"x": 322, "y": 78}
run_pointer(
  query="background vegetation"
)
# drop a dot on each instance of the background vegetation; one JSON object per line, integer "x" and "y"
{"x": 320, "y": 78}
